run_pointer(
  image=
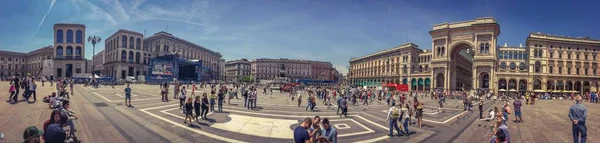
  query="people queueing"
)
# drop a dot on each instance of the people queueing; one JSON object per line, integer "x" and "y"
{"x": 578, "y": 116}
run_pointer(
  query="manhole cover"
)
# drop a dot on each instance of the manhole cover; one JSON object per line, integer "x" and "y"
{"x": 101, "y": 104}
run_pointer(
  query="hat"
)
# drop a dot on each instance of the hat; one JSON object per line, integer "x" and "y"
{"x": 32, "y": 132}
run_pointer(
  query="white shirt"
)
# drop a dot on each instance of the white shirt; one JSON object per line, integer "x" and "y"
{"x": 389, "y": 115}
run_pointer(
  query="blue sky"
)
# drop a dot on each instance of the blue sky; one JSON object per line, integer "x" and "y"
{"x": 328, "y": 30}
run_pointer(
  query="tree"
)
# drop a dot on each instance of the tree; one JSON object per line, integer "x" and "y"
{"x": 247, "y": 79}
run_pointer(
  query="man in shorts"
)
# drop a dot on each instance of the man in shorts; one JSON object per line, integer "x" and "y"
{"x": 517, "y": 104}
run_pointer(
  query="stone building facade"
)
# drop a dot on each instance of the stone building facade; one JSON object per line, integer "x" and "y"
{"x": 237, "y": 69}
{"x": 69, "y": 49}
{"x": 270, "y": 69}
{"x": 124, "y": 55}
{"x": 465, "y": 56}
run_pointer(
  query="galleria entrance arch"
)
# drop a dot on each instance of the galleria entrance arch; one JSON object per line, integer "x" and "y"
{"x": 464, "y": 53}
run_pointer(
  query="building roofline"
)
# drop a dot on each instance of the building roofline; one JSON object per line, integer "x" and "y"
{"x": 406, "y": 45}
{"x": 539, "y": 35}
{"x": 69, "y": 24}
{"x": 169, "y": 35}
{"x": 125, "y": 31}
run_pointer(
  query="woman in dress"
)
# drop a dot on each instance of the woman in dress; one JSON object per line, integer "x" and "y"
{"x": 188, "y": 111}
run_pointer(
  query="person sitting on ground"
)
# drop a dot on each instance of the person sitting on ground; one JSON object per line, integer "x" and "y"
{"x": 55, "y": 117}
{"x": 66, "y": 111}
{"x": 492, "y": 114}
{"x": 55, "y": 133}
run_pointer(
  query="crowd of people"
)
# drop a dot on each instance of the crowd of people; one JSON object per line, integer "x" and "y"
{"x": 62, "y": 115}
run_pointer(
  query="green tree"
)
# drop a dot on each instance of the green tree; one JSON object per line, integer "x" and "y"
{"x": 247, "y": 79}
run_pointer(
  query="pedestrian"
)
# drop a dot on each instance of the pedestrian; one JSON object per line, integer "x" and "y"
{"x": 308, "y": 100}
{"x": 299, "y": 98}
{"x": 204, "y": 106}
{"x": 406, "y": 113}
{"x": 419, "y": 113}
{"x": 255, "y": 95}
{"x": 71, "y": 86}
{"x": 517, "y": 104}
{"x": 251, "y": 98}
{"x": 500, "y": 132}
{"x": 164, "y": 88}
{"x": 188, "y": 110}
{"x": 329, "y": 134}
{"x": 480, "y": 109}
{"x": 16, "y": 82}
{"x": 193, "y": 89}
{"x": 578, "y": 115}
{"x": 182, "y": 98}
{"x": 128, "y": 96}
{"x": 339, "y": 100}
{"x": 221, "y": 97}
{"x": 11, "y": 91}
{"x": 245, "y": 95}
{"x": 392, "y": 118}
{"x": 300, "y": 133}
{"x": 211, "y": 98}
{"x": 315, "y": 130}
{"x": 197, "y": 106}
{"x": 176, "y": 89}
{"x": 344, "y": 104}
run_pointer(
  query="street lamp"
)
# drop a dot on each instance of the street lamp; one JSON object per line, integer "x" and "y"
{"x": 94, "y": 39}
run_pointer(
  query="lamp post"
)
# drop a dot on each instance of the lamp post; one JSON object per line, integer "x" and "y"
{"x": 94, "y": 39}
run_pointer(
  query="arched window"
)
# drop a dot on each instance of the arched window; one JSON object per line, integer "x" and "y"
{"x": 537, "y": 67}
{"x": 482, "y": 48}
{"x": 123, "y": 55}
{"x": 138, "y": 44}
{"x": 443, "y": 50}
{"x": 59, "y": 52}
{"x": 522, "y": 66}
{"x": 78, "y": 51}
{"x": 59, "y": 36}
{"x": 130, "y": 57}
{"x": 439, "y": 51}
{"x": 537, "y": 84}
{"x": 69, "y": 51}
{"x": 157, "y": 48}
{"x": 69, "y": 36}
{"x": 137, "y": 57}
{"x": 487, "y": 48}
{"x": 131, "y": 42}
{"x": 123, "y": 41}
{"x": 79, "y": 37}
{"x": 503, "y": 65}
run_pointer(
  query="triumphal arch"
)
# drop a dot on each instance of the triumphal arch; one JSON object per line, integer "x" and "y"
{"x": 464, "y": 54}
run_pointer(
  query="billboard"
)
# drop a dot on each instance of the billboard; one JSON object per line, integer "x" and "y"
{"x": 162, "y": 68}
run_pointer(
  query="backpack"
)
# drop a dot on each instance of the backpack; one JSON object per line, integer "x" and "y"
{"x": 395, "y": 113}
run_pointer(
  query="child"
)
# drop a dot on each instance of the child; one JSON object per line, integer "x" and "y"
{"x": 11, "y": 90}
{"x": 128, "y": 96}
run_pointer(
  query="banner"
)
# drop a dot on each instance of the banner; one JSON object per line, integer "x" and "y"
{"x": 162, "y": 68}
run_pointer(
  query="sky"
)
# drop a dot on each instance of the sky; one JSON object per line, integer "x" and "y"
{"x": 324, "y": 30}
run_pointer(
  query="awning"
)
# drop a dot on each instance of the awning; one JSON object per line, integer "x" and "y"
{"x": 414, "y": 83}
{"x": 502, "y": 90}
{"x": 513, "y": 90}
{"x": 538, "y": 90}
{"x": 420, "y": 82}
{"x": 427, "y": 81}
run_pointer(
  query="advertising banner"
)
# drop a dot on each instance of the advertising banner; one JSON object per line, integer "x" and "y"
{"x": 162, "y": 68}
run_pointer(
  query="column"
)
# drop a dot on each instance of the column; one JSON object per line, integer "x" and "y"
{"x": 475, "y": 81}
